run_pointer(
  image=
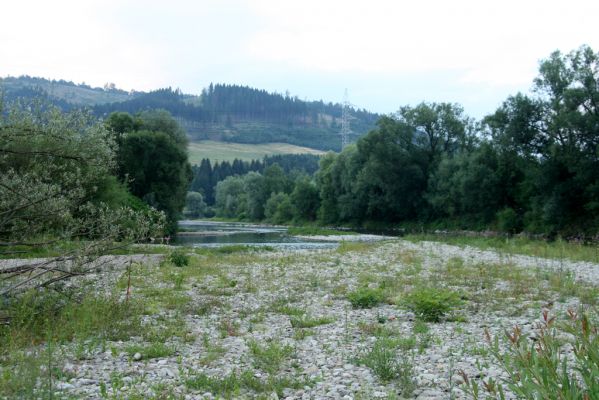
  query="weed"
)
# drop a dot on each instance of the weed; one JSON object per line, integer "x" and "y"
{"x": 389, "y": 364}
{"x": 366, "y": 297}
{"x": 153, "y": 350}
{"x": 213, "y": 350}
{"x": 307, "y": 322}
{"x": 179, "y": 258}
{"x": 347, "y": 247}
{"x": 227, "y": 327}
{"x": 541, "y": 368}
{"x": 233, "y": 385}
{"x": 301, "y": 334}
{"x": 431, "y": 304}
{"x": 270, "y": 356}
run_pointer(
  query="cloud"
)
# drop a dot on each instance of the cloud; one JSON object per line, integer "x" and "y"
{"x": 490, "y": 42}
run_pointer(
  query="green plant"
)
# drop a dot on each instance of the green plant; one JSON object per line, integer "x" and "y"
{"x": 390, "y": 365}
{"x": 153, "y": 350}
{"x": 366, "y": 297}
{"x": 270, "y": 356}
{"x": 431, "y": 304}
{"x": 307, "y": 322}
{"x": 179, "y": 258}
{"x": 542, "y": 369}
{"x": 231, "y": 386}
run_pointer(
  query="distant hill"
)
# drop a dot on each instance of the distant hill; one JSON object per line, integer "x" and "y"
{"x": 229, "y": 113}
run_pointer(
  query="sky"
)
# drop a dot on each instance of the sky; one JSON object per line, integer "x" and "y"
{"x": 386, "y": 53}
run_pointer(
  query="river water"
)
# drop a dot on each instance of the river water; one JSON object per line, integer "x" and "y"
{"x": 213, "y": 234}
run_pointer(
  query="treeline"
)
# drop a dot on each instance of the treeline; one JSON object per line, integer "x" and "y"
{"x": 271, "y": 195}
{"x": 206, "y": 176}
{"x": 227, "y": 104}
{"x": 532, "y": 165}
{"x": 164, "y": 99}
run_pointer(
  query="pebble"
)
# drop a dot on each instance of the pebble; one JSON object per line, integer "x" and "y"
{"x": 329, "y": 356}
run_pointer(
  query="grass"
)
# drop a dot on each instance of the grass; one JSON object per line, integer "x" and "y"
{"x": 152, "y": 350}
{"x": 308, "y": 322}
{"x": 315, "y": 230}
{"x": 270, "y": 356}
{"x": 241, "y": 384}
{"x": 223, "y": 151}
{"x": 390, "y": 364}
{"x": 557, "y": 249}
{"x": 51, "y": 327}
{"x": 230, "y": 249}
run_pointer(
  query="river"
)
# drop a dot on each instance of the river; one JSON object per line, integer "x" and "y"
{"x": 198, "y": 233}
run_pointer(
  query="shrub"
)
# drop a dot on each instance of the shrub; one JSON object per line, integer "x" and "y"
{"x": 366, "y": 297}
{"x": 179, "y": 258}
{"x": 431, "y": 304}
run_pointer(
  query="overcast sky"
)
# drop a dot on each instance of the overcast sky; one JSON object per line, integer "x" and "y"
{"x": 387, "y": 53}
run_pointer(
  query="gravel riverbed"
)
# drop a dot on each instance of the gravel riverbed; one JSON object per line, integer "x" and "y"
{"x": 222, "y": 310}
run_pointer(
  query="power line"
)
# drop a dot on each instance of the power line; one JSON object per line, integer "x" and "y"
{"x": 345, "y": 117}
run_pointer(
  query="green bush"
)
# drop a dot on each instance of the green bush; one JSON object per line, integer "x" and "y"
{"x": 431, "y": 304}
{"x": 366, "y": 297}
{"x": 179, "y": 258}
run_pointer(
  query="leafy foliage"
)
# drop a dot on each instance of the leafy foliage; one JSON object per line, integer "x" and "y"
{"x": 543, "y": 368}
{"x": 152, "y": 159}
{"x": 366, "y": 297}
{"x": 179, "y": 258}
{"x": 431, "y": 304}
{"x": 53, "y": 167}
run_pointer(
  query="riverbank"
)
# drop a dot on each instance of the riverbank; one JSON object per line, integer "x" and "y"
{"x": 318, "y": 324}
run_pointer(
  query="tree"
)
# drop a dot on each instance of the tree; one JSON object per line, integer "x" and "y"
{"x": 158, "y": 171}
{"x": 160, "y": 120}
{"x": 255, "y": 194}
{"x": 305, "y": 200}
{"x": 440, "y": 128}
{"x": 558, "y": 131}
{"x": 230, "y": 198}
{"x": 195, "y": 206}
{"x": 152, "y": 160}
{"x": 278, "y": 208}
{"x": 203, "y": 181}
{"x": 393, "y": 174}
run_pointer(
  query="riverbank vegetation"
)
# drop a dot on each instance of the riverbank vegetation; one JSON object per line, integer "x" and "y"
{"x": 74, "y": 188}
{"x": 531, "y": 166}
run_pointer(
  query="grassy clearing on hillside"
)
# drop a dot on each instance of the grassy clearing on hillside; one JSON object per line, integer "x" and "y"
{"x": 222, "y": 151}
{"x": 558, "y": 249}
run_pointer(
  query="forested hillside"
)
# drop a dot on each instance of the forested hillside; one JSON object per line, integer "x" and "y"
{"x": 221, "y": 112}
